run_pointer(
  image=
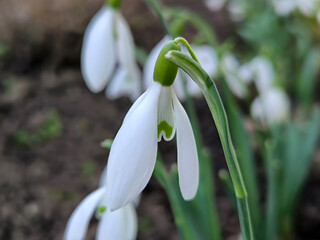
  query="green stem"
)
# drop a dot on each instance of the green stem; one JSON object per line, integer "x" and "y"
{"x": 114, "y": 3}
{"x": 195, "y": 71}
{"x": 187, "y": 45}
{"x": 206, "y": 181}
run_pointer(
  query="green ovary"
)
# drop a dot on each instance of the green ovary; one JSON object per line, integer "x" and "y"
{"x": 164, "y": 126}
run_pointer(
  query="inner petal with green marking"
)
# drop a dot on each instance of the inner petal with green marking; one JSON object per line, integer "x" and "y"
{"x": 165, "y": 115}
{"x": 166, "y": 128}
{"x": 100, "y": 211}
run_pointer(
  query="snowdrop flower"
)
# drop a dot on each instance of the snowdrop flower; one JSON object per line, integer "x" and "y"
{"x": 155, "y": 115}
{"x": 206, "y": 55}
{"x": 107, "y": 56}
{"x": 272, "y": 106}
{"x": 263, "y": 73}
{"x": 235, "y": 77}
{"x": 284, "y": 7}
{"x": 237, "y": 11}
{"x": 120, "y": 224}
{"x": 214, "y": 5}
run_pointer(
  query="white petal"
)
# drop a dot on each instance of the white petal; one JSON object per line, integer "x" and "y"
{"x": 78, "y": 223}
{"x": 165, "y": 114}
{"x": 230, "y": 67}
{"x": 245, "y": 73}
{"x": 264, "y": 74}
{"x": 98, "y": 54}
{"x": 123, "y": 84}
{"x": 120, "y": 224}
{"x": 151, "y": 61}
{"x": 178, "y": 84}
{"x": 103, "y": 178}
{"x": 125, "y": 46}
{"x": 133, "y": 152}
{"x": 273, "y": 106}
{"x": 188, "y": 166}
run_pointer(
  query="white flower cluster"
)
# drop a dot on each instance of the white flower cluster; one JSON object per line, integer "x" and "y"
{"x": 309, "y": 8}
{"x": 272, "y": 104}
{"x": 236, "y": 9}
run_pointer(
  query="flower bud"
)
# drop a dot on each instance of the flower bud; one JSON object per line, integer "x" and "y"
{"x": 165, "y": 71}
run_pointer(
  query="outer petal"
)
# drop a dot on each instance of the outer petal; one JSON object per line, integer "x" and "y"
{"x": 151, "y": 61}
{"x": 133, "y": 152}
{"x": 98, "y": 55}
{"x": 188, "y": 166}
{"x": 273, "y": 106}
{"x": 263, "y": 69}
{"x": 230, "y": 67}
{"x": 78, "y": 223}
{"x": 131, "y": 81}
{"x": 122, "y": 84}
{"x": 120, "y": 224}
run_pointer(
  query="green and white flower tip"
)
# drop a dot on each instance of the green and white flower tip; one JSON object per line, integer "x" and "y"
{"x": 107, "y": 56}
{"x": 207, "y": 57}
{"x": 121, "y": 224}
{"x": 271, "y": 107}
{"x": 156, "y": 114}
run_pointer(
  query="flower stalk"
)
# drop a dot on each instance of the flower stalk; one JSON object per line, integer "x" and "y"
{"x": 196, "y": 72}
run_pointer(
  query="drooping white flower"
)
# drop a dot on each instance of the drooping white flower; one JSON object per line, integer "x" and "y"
{"x": 206, "y": 55}
{"x": 120, "y": 224}
{"x": 235, "y": 76}
{"x": 214, "y": 5}
{"x": 272, "y": 106}
{"x": 263, "y": 73}
{"x": 107, "y": 56}
{"x": 155, "y": 115}
{"x": 284, "y": 7}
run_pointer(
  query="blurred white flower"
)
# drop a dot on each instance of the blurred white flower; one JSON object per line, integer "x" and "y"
{"x": 156, "y": 114}
{"x": 237, "y": 11}
{"x": 235, "y": 76}
{"x": 120, "y": 224}
{"x": 107, "y": 56}
{"x": 206, "y": 56}
{"x": 284, "y": 7}
{"x": 308, "y": 7}
{"x": 272, "y": 106}
{"x": 214, "y": 5}
{"x": 318, "y": 16}
{"x": 263, "y": 73}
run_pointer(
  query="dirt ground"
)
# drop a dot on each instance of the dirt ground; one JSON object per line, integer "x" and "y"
{"x": 52, "y": 125}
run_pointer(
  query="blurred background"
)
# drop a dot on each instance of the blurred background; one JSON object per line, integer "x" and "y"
{"x": 52, "y": 125}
